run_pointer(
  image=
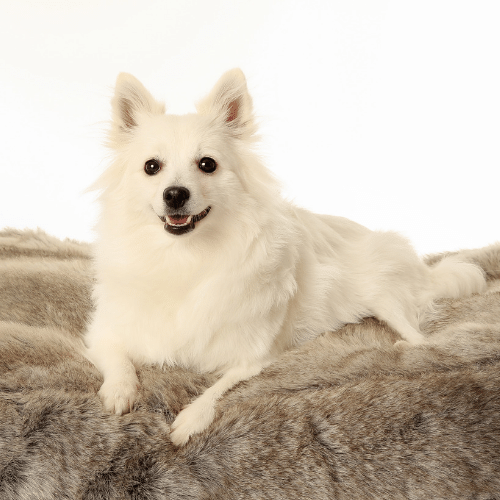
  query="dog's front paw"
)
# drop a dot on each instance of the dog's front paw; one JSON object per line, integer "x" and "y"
{"x": 193, "y": 419}
{"x": 119, "y": 396}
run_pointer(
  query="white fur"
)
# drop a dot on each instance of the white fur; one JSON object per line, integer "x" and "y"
{"x": 258, "y": 275}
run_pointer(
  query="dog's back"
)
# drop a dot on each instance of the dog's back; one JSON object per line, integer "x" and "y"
{"x": 347, "y": 272}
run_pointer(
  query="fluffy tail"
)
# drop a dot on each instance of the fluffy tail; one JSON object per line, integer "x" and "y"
{"x": 452, "y": 277}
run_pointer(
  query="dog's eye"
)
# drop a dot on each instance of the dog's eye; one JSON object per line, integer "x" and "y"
{"x": 207, "y": 165}
{"x": 152, "y": 167}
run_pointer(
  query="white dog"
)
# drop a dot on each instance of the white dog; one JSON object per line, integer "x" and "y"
{"x": 201, "y": 263}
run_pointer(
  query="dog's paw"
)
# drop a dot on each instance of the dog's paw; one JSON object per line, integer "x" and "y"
{"x": 119, "y": 396}
{"x": 194, "y": 418}
{"x": 404, "y": 344}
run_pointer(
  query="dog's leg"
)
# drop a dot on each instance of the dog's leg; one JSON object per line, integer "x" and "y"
{"x": 410, "y": 335}
{"x": 119, "y": 390}
{"x": 396, "y": 319}
{"x": 198, "y": 415}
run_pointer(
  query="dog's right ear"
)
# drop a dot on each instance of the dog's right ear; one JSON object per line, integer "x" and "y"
{"x": 131, "y": 100}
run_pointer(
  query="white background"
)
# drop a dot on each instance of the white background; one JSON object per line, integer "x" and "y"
{"x": 386, "y": 112}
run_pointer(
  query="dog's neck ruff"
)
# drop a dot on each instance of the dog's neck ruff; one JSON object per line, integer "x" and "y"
{"x": 182, "y": 224}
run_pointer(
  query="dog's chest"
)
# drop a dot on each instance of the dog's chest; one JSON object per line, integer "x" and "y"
{"x": 190, "y": 326}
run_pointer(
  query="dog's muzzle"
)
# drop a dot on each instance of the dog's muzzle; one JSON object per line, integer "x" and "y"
{"x": 181, "y": 224}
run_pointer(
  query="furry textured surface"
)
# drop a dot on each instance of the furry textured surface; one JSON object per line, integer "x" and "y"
{"x": 346, "y": 416}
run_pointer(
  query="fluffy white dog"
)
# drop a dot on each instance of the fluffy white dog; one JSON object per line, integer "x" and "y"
{"x": 202, "y": 263}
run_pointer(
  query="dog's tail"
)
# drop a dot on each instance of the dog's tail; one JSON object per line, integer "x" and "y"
{"x": 454, "y": 277}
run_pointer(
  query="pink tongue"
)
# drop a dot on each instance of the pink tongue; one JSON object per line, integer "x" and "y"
{"x": 177, "y": 219}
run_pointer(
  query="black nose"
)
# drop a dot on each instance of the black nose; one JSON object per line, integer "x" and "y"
{"x": 176, "y": 196}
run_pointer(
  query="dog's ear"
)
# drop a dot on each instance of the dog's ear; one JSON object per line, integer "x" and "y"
{"x": 131, "y": 99}
{"x": 230, "y": 102}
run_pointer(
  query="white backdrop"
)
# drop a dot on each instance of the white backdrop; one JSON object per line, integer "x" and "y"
{"x": 386, "y": 112}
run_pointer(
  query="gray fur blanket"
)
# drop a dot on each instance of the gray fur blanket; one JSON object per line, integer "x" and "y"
{"x": 346, "y": 416}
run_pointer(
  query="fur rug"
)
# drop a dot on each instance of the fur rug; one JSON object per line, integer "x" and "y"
{"x": 347, "y": 416}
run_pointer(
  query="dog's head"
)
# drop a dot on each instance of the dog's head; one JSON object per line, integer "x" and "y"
{"x": 184, "y": 172}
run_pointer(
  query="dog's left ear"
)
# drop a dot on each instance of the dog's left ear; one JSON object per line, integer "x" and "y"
{"x": 230, "y": 102}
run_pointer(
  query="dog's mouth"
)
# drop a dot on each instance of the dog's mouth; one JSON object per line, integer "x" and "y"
{"x": 181, "y": 224}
